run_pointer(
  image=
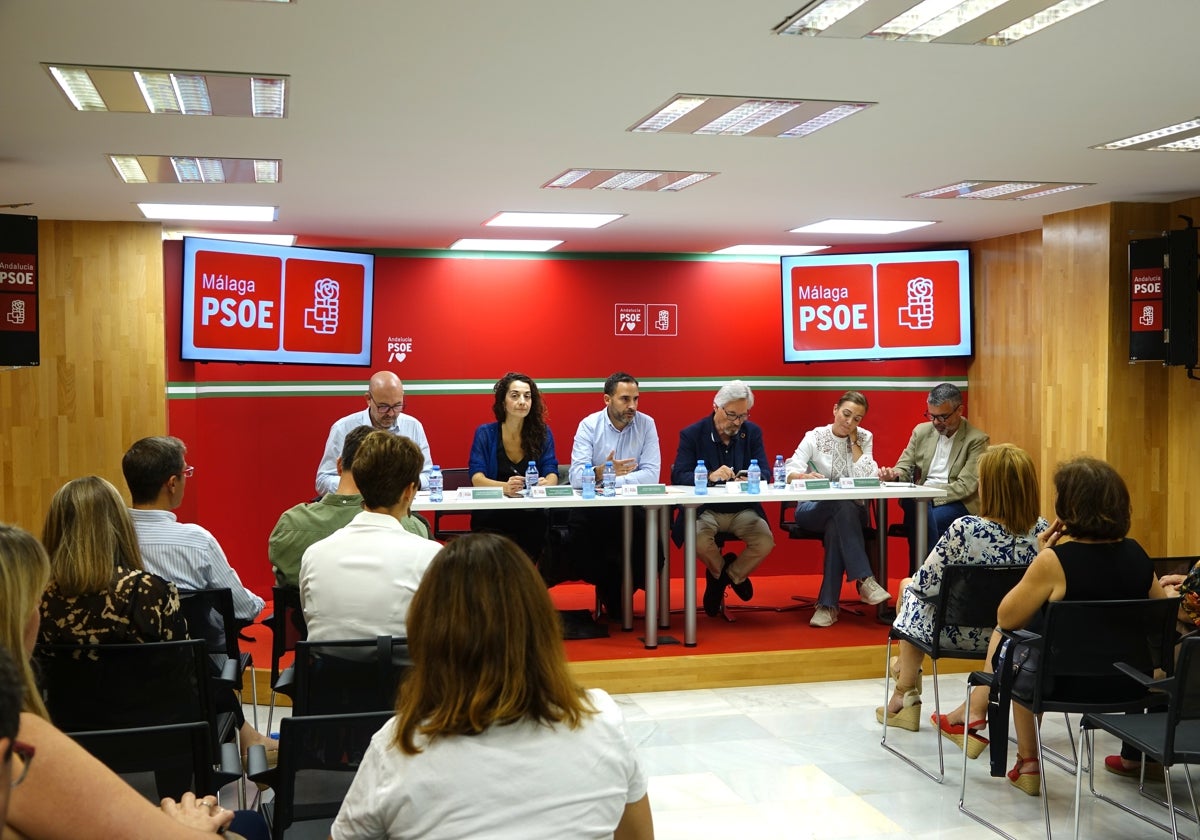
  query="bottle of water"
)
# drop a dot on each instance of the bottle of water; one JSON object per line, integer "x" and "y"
{"x": 589, "y": 482}
{"x": 435, "y": 484}
{"x": 610, "y": 479}
{"x": 780, "y": 475}
{"x": 531, "y": 478}
{"x": 754, "y": 477}
{"x": 701, "y": 478}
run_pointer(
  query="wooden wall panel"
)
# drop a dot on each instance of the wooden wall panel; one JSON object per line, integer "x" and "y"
{"x": 102, "y": 380}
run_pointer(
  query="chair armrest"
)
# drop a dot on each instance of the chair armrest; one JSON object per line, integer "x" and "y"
{"x": 286, "y": 684}
{"x": 231, "y": 759}
{"x": 256, "y": 766}
{"x": 1167, "y": 684}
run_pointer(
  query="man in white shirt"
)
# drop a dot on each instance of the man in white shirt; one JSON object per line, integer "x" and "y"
{"x": 186, "y": 554}
{"x": 385, "y": 411}
{"x": 629, "y": 438}
{"x": 358, "y": 582}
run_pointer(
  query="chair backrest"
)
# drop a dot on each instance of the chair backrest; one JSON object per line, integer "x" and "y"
{"x": 324, "y": 751}
{"x": 180, "y": 755}
{"x": 210, "y": 616}
{"x": 452, "y": 479}
{"x": 969, "y": 597}
{"x": 287, "y": 625}
{"x": 1178, "y": 565}
{"x": 348, "y": 676}
{"x": 1081, "y": 641}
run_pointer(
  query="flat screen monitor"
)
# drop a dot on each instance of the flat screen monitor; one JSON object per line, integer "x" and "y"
{"x": 244, "y": 302}
{"x": 900, "y": 305}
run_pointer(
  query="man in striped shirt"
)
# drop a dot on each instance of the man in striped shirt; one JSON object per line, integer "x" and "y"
{"x": 187, "y": 555}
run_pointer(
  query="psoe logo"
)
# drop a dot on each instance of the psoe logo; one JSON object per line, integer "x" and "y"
{"x": 398, "y": 348}
{"x": 322, "y": 318}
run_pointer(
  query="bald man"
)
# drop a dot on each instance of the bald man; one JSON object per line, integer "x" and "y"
{"x": 384, "y": 411}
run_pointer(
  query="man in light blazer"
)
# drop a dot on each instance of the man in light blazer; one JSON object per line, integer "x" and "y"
{"x": 943, "y": 452}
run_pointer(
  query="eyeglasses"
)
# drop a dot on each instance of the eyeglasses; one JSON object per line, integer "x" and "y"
{"x": 384, "y": 408}
{"x": 188, "y": 472}
{"x": 25, "y": 753}
{"x": 736, "y": 418}
{"x": 941, "y": 418}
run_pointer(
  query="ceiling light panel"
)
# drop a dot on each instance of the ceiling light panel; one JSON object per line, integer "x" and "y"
{"x": 999, "y": 190}
{"x": 552, "y": 220}
{"x": 505, "y": 244}
{"x": 631, "y": 180}
{"x": 1156, "y": 139}
{"x": 164, "y": 169}
{"x": 994, "y": 23}
{"x": 160, "y": 91}
{"x": 861, "y": 226}
{"x": 208, "y": 212}
{"x": 747, "y": 116}
{"x": 770, "y": 250}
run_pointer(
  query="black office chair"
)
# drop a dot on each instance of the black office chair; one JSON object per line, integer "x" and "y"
{"x": 346, "y": 676}
{"x": 969, "y": 597}
{"x": 787, "y": 524}
{"x": 318, "y": 757}
{"x": 209, "y": 615}
{"x": 287, "y": 628}
{"x": 452, "y": 479}
{"x": 1075, "y": 673}
{"x": 142, "y": 708}
{"x": 1170, "y": 737}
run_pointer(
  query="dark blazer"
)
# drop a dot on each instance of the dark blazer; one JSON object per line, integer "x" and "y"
{"x": 702, "y": 441}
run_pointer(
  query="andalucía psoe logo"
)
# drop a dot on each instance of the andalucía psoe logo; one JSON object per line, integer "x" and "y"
{"x": 17, "y": 314}
{"x": 323, "y": 317}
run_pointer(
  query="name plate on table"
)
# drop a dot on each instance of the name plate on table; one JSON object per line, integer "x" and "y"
{"x": 811, "y": 484}
{"x": 643, "y": 489}
{"x": 866, "y": 482}
{"x": 556, "y": 490}
{"x": 486, "y": 493}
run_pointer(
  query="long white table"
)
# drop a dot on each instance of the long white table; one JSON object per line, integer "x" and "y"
{"x": 656, "y": 508}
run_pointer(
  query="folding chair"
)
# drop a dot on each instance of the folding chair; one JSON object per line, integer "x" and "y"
{"x": 287, "y": 628}
{"x": 969, "y": 597}
{"x": 347, "y": 676}
{"x": 210, "y": 615}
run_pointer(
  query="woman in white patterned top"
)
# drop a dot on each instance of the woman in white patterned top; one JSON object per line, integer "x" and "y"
{"x": 835, "y": 451}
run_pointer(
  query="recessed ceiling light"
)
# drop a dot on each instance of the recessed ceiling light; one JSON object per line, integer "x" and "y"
{"x": 208, "y": 212}
{"x": 746, "y": 116}
{"x": 1153, "y": 139}
{"x": 552, "y": 220}
{"x": 171, "y": 92}
{"x": 943, "y": 21}
{"x": 179, "y": 169}
{"x": 257, "y": 238}
{"x": 771, "y": 250}
{"x": 505, "y": 244}
{"x": 628, "y": 180}
{"x": 855, "y": 226}
{"x": 998, "y": 190}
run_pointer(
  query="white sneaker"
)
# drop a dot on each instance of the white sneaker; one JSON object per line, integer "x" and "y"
{"x": 870, "y": 592}
{"x": 823, "y": 617}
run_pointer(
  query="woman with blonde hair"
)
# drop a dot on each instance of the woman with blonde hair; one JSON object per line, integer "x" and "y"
{"x": 62, "y": 792}
{"x": 492, "y": 736}
{"x": 1004, "y": 533}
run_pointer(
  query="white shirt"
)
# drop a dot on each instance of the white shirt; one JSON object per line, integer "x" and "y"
{"x": 410, "y": 427}
{"x": 832, "y": 456}
{"x": 191, "y": 558}
{"x": 357, "y": 583}
{"x": 597, "y": 436}
{"x": 522, "y": 781}
{"x": 939, "y": 467}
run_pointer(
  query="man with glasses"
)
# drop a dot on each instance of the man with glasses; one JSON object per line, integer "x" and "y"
{"x": 943, "y": 452}
{"x": 186, "y": 554}
{"x": 384, "y": 411}
{"x": 726, "y": 440}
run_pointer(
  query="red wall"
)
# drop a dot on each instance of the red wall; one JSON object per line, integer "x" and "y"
{"x": 552, "y": 318}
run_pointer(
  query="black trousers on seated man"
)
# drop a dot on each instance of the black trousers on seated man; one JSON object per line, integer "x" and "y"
{"x": 595, "y": 547}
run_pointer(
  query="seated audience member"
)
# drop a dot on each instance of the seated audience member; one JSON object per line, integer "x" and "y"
{"x": 184, "y": 553}
{"x": 490, "y": 727}
{"x": 726, "y": 441}
{"x": 12, "y": 690}
{"x": 835, "y": 451}
{"x": 941, "y": 453}
{"x": 358, "y": 582}
{"x": 58, "y": 791}
{"x": 500, "y": 454}
{"x": 302, "y": 525}
{"x": 99, "y": 593}
{"x": 384, "y": 411}
{"x": 1004, "y": 533}
{"x": 629, "y": 438}
{"x": 1097, "y": 562}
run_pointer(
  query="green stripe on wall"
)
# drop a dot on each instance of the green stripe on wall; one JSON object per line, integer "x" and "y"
{"x": 256, "y": 390}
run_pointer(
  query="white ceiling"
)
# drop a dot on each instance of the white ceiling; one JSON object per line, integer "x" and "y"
{"x": 411, "y": 122}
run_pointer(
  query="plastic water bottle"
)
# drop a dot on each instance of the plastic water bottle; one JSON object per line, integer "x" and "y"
{"x": 754, "y": 477}
{"x": 589, "y": 482}
{"x": 780, "y": 475}
{"x": 435, "y": 484}
{"x": 701, "y": 478}
{"x": 610, "y": 479}
{"x": 531, "y": 478}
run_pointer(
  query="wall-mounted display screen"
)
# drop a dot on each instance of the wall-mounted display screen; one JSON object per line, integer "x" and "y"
{"x": 244, "y": 302}
{"x": 901, "y": 305}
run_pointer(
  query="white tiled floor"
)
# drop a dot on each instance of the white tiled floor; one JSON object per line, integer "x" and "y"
{"x": 804, "y": 761}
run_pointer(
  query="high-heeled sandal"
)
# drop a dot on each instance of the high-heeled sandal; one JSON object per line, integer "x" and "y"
{"x": 1024, "y": 779}
{"x": 894, "y": 668}
{"x": 909, "y": 716}
{"x": 957, "y": 733}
